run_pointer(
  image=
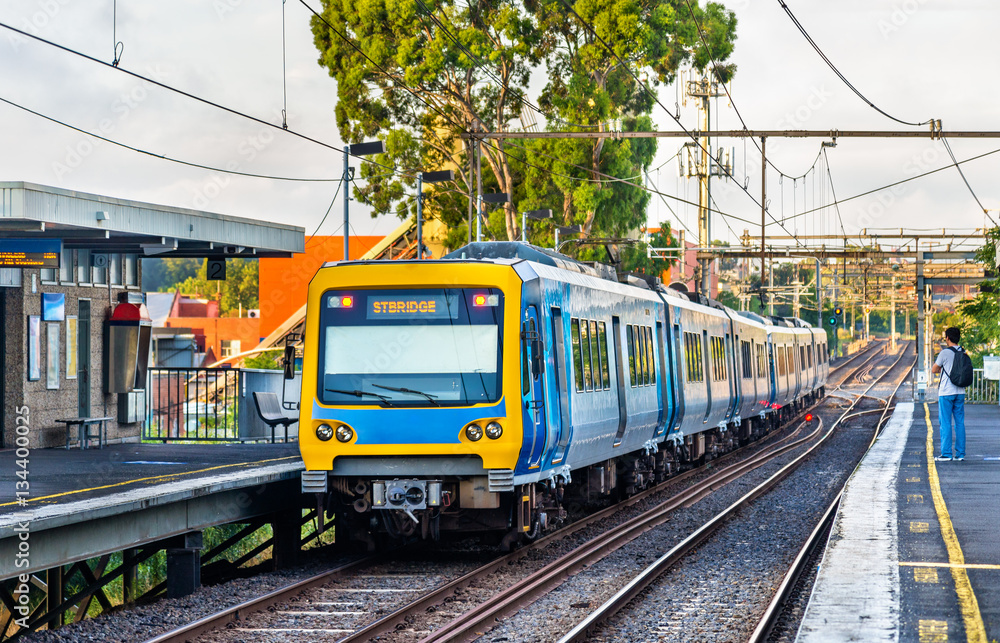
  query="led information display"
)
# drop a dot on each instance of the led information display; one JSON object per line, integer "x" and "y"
{"x": 30, "y": 253}
{"x": 417, "y": 307}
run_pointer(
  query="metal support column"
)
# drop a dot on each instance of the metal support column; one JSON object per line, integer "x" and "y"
{"x": 184, "y": 566}
{"x": 54, "y": 582}
{"x": 130, "y": 577}
{"x": 819, "y": 294}
{"x": 922, "y": 374}
{"x": 420, "y": 216}
{"x": 346, "y": 187}
{"x": 287, "y": 529}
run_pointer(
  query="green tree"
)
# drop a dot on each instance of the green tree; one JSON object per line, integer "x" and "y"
{"x": 161, "y": 275}
{"x": 980, "y": 316}
{"x": 634, "y": 258}
{"x": 238, "y": 290}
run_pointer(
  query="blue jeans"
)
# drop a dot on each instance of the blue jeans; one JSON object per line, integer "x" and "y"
{"x": 952, "y": 406}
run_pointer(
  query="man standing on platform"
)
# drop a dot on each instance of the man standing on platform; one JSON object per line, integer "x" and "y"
{"x": 951, "y": 398}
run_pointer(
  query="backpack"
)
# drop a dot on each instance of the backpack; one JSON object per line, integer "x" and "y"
{"x": 961, "y": 368}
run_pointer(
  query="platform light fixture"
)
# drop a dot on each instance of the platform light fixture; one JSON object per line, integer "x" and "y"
{"x": 439, "y": 176}
{"x": 357, "y": 149}
{"x": 532, "y": 214}
{"x": 572, "y": 229}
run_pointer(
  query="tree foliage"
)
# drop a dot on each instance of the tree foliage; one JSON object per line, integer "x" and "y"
{"x": 238, "y": 290}
{"x": 417, "y": 73}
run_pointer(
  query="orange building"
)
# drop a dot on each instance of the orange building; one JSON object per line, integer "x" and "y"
{"x": 216, "y": 337}
{"x": 284, "y": 283}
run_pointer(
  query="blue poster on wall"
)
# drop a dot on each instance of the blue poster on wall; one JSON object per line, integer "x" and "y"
{"x": 53, "y": 307}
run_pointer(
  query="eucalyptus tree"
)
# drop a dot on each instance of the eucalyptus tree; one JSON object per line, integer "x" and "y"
{"x": 606, "y": 61}
{"x": 417, "y": 73}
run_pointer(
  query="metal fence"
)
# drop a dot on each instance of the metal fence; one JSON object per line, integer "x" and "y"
{"x": 192, "y": 404}
{"x": 982, "y": 390}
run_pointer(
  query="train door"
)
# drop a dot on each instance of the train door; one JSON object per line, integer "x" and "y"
{"x": 666, "y": 403}
{"x": 560, "y": 378}
{"x": 732, "y": 364}
{"x": 533, "y": 387}
{"x": 616, "y": 331}
{"x": 706, "y": 368}
{"x": 680, "y": 375}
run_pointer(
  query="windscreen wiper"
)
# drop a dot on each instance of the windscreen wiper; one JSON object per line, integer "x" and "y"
{"x": 385, "y": 400}
{"x": 430, "y": 398}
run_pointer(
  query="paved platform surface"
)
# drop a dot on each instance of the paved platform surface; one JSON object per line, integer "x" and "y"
{"x": 915, "y": 552}
{"x": 60, "y": 477}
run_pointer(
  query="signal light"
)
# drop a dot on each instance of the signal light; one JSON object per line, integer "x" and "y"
{"x": 809, "y": 417}
{"x": 838, "y": 311}
{"x": 832, "y": 321}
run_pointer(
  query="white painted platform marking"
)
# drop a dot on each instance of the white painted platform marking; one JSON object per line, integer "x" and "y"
{"x": 856, "y": 596}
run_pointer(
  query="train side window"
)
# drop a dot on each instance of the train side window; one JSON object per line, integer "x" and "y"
{"x": 780, "y": 361}
{"x": 640, "y": 333}
{"x": 602, "y": 346}
{"x": 630, "y": 336}
{"x": 745, "y": 357}
{"x": 802, "y": 358}
{"x": 595, "y": 355}
{"x": 588, "y": 369}
{"x": 650, "y": 358}
{"x": 695, "y": 363}
{"x": 574, "y": 326}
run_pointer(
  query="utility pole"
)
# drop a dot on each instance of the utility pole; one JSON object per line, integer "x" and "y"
{"x": 763, "y": 213}
{"x": 892, "y": 315}
{"x": 703, "y": 165}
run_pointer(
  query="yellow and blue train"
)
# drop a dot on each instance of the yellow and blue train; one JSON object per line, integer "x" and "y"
{"x": 484, "y": 391}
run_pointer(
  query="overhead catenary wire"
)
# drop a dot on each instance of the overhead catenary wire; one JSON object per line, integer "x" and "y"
{"x": 841, "y": 76}
{"x": 958, "y": 167}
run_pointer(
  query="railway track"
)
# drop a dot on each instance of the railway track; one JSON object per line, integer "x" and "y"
{"x": 775, "y": 624}
{"x": 307, "y": 608}
{"x": 677, "y": 553}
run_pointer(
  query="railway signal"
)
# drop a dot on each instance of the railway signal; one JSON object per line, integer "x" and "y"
{"x": 832, "y": 320}
{"x": 809, "y": 417}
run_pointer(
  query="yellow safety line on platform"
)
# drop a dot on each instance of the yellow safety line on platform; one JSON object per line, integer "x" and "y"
{"x": 952, "y": 565}
{"x": 163, "y": 477}
{"x": 975, "y": 631}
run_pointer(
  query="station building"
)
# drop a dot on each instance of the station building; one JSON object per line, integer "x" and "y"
{"x": 56, "y": 358}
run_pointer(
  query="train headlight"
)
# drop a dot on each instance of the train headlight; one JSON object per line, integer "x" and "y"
{"x": 494, "y": 430}
{"x": 344, "y": 433}
{"x": 474, "y": 432}
{"x": 324, "y": 432}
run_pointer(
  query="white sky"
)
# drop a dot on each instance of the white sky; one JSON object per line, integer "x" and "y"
{"x": 916, "y": 59}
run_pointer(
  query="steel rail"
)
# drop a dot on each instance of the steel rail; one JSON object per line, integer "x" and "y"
{"x": 239, "y": 612}
{"x": 651, "y": 573}
{"x": 776, "y": 607}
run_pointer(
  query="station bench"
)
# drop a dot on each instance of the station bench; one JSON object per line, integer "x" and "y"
{"x": 270, "y": 411}
{"x": 85, "y": 428}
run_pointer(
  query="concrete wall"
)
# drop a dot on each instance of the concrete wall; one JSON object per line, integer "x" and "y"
{"x": 48, "y": 405}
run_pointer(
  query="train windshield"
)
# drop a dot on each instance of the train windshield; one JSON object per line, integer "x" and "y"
{"x": 426, "y": 347}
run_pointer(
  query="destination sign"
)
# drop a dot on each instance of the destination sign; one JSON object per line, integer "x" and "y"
{"x": 30, "y": 253}
{"x": 416, "y": 307}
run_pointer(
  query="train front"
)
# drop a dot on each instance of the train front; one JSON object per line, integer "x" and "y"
{"x": 410, "y": 407}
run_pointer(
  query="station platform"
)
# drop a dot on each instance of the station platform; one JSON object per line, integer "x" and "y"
{"x": 81, "y": 503}
{"x": 915, "y": 551}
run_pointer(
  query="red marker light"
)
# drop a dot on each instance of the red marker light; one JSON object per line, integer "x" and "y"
{"x": 479, "y": 300}
{"x": 809, "y": 417}
{"x": 346, "y": 301}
